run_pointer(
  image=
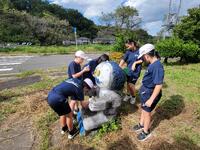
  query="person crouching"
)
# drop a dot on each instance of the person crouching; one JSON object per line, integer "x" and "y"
{"x": 58, "y": 101}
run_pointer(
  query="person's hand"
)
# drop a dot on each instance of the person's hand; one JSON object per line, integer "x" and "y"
{"x": 148, "y": 103}
{"x": 86, "y": 69}
{"x": 133, "y": 66}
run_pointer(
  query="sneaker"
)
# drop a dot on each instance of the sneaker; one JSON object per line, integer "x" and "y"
{"x": 132, "y": 100}
{"x": 143, "y": 136}
{"x": 138, "y": 127}
{"x": 73, "y": 133}
{"x": 126, "y": 98}
{"x": 64, "y": 129}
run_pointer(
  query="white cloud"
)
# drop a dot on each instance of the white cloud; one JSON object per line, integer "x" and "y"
{"x": 151, "y": 11}
{"x": 90, "y": 8}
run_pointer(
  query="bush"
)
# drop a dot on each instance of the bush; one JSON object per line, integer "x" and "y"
{"x": 175, "y": 47}
{"x": 120, "y": 43}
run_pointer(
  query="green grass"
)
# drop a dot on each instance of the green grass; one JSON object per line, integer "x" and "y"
{"x": 187, "y": 136}
{"x": 26, "y": 74}
{"x": 57, "y": 49}
{"x": 42, "y": 126}
{"x": 186, "y": 80}
{"x": 8, "y": 107}
{"x": 110, "y": 126}
{"x": 10, "y": 99}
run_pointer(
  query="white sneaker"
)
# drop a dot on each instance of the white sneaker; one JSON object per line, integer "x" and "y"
{"x": 126, "y": 98}
{"x": 132, "y": 100}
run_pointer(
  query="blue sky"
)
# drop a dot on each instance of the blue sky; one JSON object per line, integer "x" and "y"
{"x": 150, "y": 11}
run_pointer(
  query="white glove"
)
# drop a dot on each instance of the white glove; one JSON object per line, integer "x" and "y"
{"x": 91, "y": 99}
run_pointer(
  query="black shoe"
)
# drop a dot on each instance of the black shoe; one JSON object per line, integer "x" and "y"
{"x": 143, "y": 136}
{"x": 138, "y": 127}
{"x": 64, "y": 129}
{"x": 73, "y": 133}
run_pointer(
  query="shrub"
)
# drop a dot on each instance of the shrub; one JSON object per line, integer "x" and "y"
{"x": 175, "y": 47}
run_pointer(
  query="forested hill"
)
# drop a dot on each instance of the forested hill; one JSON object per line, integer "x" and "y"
{"x": 40, "y": 22}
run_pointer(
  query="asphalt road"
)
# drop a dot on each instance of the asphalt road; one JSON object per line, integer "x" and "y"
{"x": 17, "y": 64}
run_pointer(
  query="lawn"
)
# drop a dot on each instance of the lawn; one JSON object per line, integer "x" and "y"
{"x": 176, "y": 121}
{"x": 56, "y": 49}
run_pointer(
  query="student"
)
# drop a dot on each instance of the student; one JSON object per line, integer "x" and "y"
{"x": 57, "y": 99}
{"x": 74, "y": 71}
{"x": 130, "y": 57}
{"x": 150, "y": 91}
{"x": 74, "y": 68}
{"x": 92, "y": 66}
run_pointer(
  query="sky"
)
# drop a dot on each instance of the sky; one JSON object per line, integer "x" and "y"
{"x": 150, "y": 11}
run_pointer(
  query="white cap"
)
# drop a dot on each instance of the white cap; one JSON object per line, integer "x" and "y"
{"x": 89, "y": 82}
{"x": 80, "y": 54}
{"x": 145, "y": 49}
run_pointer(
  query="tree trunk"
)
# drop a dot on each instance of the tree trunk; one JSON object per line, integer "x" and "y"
{"x": 165, "y": 60}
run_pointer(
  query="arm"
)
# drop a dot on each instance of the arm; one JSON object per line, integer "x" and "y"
{"x": 121, "y": 64}
{"x": 155, "y": 93}
{"x": 124, "y": 59}
{"x": 136, "y": 63}
{"x": 85, "y": 69}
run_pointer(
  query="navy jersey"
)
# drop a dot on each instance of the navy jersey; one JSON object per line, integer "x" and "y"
{"x": 70, "y": 87}
{"x": 154, "y": 75}
{"x": 130, "y": 57}
{"x": 92, "y": 65}
{"x": 74, "y": 68}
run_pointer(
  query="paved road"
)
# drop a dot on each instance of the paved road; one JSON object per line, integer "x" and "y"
{"x": 16, "y": 64}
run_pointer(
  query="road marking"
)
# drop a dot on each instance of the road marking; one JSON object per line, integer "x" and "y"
{"x": 15, "y": 57}
{"x": 8, "y": 64}
{"x": 6, "y": 69}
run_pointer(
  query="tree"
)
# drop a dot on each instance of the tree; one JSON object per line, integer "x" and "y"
{"x": 41, "y": 8}
{"x": 107, "y": 19}
{"x": 189, "y": 27}
{"x": 123, "y": 17}
{"x": 126, "y": 17}
{"x": 175, "y": 47}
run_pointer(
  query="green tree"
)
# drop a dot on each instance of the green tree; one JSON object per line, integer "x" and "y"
{"x": 189, "y": 27}
{"x": 123, "y": 17}
{"x": 175, "y": 47}
{"x": 126, "y": 17}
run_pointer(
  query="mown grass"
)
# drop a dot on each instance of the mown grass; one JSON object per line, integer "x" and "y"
{"x": 42, "y": 125}
{"x": 181, "y": 89}
{"x": 57, "y": 49}
{"x": 11, "y": 98}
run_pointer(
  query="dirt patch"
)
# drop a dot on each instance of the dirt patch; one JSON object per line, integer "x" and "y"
{"x": 19, "y": 82}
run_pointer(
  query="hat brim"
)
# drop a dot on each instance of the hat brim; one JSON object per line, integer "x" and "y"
{"x": 84, "y": 57}
{"x": 140, "y": 56}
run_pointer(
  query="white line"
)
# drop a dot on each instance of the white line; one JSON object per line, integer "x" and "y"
{"x": 16, "y": 56}
{"x": 7, "y": 64}
{"x": 6, "y": 69}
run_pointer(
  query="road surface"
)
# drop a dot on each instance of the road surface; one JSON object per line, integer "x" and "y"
{"x": 17, "y": 64}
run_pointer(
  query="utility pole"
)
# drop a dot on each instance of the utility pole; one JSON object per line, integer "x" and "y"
{"x": 75, "y": 34}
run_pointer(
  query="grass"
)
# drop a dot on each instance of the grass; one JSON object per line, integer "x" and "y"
{"x": 56, "y": 49}
{"x": 42, "y": 126}
{"x": 110, "y": 126}
{"x": 178, "y": 112}
{"x": 187, "y": 136}
{"x": 10, "y": 99}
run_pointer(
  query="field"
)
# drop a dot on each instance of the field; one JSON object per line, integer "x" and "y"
{"x": 56, "y": 49}
{"x": 26, "y": 118}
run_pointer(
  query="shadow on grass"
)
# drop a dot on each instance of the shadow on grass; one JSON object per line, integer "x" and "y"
{"x": 167, "y": 109}
{"x": 183, "y": 143}
{"x": 127, "y": 108}
{"x": 122, "y": 144}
